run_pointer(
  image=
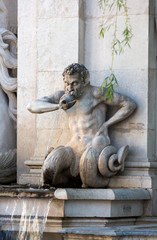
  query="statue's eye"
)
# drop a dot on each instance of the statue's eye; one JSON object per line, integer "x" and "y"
{"x": 75, "y": 84}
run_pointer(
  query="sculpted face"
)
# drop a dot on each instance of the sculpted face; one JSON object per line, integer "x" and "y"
{"x": 73, "y": 85}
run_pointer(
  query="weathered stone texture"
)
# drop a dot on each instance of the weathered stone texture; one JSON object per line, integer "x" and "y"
{"x": 26, "y": 81}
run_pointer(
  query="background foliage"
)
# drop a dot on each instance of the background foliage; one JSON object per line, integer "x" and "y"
{"x": 110, "y": 11}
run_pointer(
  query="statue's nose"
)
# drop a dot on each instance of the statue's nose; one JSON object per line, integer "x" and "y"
{"x": 70, "y": 87}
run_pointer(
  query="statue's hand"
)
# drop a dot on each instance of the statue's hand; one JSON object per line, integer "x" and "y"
{"x": 63, "y": 105}
{"x": 103, "y": 130}
{"x": 66, "y": 101}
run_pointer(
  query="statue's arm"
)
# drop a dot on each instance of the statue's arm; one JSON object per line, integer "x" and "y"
{"x": 126, "y": 107}
{"x": 46, "y": 104}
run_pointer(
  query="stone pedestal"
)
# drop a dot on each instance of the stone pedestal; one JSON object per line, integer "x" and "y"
{"x": 124, "y": 233}
{"x": 105, "y": 203}
{"x": 76, "y": 213}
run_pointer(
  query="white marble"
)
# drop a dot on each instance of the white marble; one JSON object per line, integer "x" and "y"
{"x": 57, "y": 43}
{"x": 27, "y": 59}
{"x": 134, "y": 8}
{"x": 58, "y": 8}
{"x": 98, "y": 51}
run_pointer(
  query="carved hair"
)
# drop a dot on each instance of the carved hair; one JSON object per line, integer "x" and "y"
{"x": 8, "y": 57}
{"x": 77, "y": 68}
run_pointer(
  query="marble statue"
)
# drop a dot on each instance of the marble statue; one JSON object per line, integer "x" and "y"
{"x": 89, "y": 154}
{"x": 8, "y": 86}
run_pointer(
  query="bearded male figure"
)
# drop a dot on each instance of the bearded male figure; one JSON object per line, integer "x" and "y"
{"x": 89, "y": 153}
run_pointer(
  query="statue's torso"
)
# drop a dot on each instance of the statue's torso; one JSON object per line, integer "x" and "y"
{"x": 85, "y": 119}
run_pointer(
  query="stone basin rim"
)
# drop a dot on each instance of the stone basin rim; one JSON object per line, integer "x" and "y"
{"x": 102, "y": 194}
{"x": 75, "y": 193}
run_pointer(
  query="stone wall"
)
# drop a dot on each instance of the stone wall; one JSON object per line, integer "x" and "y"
{"x": 131, "y": 69}
{"x": 27, "y": 71}
{"x": 63, "y": 32}
{"x": 45, "y": 49}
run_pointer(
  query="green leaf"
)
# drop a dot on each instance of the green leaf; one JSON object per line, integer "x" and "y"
{"x": 102, "y": 33}
{"x": 118, "y": 44}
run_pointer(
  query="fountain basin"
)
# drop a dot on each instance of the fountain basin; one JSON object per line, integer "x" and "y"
{"x": 68, "y": 211}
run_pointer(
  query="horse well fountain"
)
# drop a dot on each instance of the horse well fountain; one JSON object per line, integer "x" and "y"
{"x": 86, "y": 165}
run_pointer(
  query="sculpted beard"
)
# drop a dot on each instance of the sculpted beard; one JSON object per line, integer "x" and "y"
{"x": 76, "y": 92}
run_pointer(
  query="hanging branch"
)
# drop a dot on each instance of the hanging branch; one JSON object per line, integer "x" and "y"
{"x": 117, "y": 47}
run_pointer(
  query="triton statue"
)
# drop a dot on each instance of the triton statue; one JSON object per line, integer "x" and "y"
{"x": 89, "y": 154}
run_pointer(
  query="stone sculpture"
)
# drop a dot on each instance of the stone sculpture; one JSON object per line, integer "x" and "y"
{"x": 89, "y": 154}
{"x": 8, "y": 86}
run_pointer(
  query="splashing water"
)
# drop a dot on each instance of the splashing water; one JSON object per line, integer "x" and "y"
{"x": 49, "y": 140}
{"x": 52, "y": 129}
{"x": 27, "y": 221}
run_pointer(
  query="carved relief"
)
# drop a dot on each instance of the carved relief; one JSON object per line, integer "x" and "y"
{"x": 8, "y": 88}
{"x": 89, "y": 156}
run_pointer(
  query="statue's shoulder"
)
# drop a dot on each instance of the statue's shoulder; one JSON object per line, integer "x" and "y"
{"x": 96, "y": 92}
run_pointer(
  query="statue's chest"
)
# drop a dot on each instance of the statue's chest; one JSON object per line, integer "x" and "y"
{"x": 82, "y": 106}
